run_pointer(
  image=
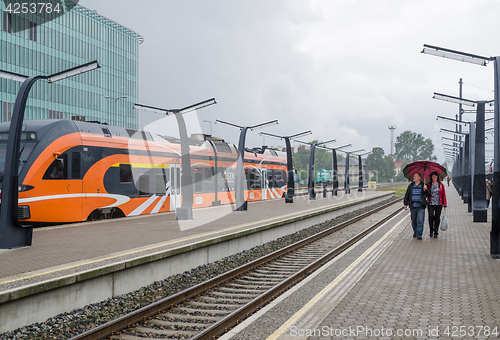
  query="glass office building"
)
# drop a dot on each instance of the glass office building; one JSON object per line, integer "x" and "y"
{"x": 77, "y": 37}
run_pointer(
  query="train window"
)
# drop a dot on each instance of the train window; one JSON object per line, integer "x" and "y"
{"x": 58, "y": 169}
{"x": 208, "y": 174}
{"x": 160, "y": 185}
{"x": 177, "y": 178}
{"x": 279, "y": 178}
{"x": 270, "y": 178}
{"x": 253, "y": 179}
{"x": 75, "y": 165}
{"x": 143, "y": 185}
{"x": 125, "y": 173}
{"x": 106, "y": 132}
{"x": 198, "y": 180}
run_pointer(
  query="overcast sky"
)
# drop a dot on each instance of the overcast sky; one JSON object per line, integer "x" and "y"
{"x": 344, "y": 69}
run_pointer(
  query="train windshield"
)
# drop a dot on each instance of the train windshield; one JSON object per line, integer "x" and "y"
{"x": 25, "y": 152}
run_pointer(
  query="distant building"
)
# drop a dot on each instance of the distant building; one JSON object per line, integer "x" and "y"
{"x": 397, "y": 168}
{"x": 75, "y": 38}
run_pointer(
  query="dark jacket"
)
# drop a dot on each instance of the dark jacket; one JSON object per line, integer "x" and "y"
{"x": 408, "y": 194}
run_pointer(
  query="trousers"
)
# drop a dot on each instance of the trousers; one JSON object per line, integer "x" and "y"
{"x": 417, "y": 221}
{"x": 434, "y": 218}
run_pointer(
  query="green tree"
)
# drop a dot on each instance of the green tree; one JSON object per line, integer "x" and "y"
{"x": 413, "y": 147}
{"x": 381, "y": 165}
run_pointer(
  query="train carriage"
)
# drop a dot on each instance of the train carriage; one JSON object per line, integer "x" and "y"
{"x": 75, "y": 171}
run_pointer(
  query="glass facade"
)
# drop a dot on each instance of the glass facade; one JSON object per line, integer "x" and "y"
{"x": 75, "y": 38}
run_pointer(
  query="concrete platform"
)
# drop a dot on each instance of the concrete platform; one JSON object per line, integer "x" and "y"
{"x": 73, "y": 265}
{"x": 401, "y": 288}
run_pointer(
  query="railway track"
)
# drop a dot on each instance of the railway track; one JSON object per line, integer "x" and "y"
{"x": 212, "y": 307}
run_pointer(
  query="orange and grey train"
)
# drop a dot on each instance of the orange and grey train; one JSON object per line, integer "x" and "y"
{"x": 74, "y": 171}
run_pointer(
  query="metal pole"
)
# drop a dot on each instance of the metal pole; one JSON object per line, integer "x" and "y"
{"x": 495, "y": 221}
{"x": 335, "y": 177}
{"x": 12, "y": 234}
{"x": 216, "y": 175}
{"x": 185, "y": 211}
{"x": 310, "y": 184}
{"x": 460, "y": 111}
{"x": 479, "y": 210}
{"x": 241, "y": 203}
{"x": 472, "y": 156}
{"x": 360, "y": 184}
{"x": 466, "y": 171}
{"x": 346, "y": 180}
{"x": 290, "y": 187}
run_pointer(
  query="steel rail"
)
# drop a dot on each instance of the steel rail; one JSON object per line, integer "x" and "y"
{"x": 126, "y": 321}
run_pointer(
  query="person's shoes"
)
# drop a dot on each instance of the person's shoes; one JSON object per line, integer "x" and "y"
{"x": 435, "y": 236}
{"x": 430, "y": 235}
{"x": 419, "y": 238}
{"x": 414, "y": 235}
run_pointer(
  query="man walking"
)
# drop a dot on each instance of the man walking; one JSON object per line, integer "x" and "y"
{"x": 415, "y": 198}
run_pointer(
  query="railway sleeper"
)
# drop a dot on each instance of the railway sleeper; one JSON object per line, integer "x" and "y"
{"x": 211, "y": 304}
{"x": 195, "y": 311}
{"x": 242, "y": 289}
{"x": 217, "y": 300}
{"x": 187, "y": 318}
{"x": 179, "y": 324}
{"x": 255, "y": 282}
{"x": 223, "y": 295}
{"x": 250, "y": 286}
{"x": 269, "y": 276}
{"x": 165, "y": 332}
{"x": 275, "y": 272}
{"x": 208, "y": 307}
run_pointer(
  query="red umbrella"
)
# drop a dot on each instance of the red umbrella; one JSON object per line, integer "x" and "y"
{"x": 424, "y": 168}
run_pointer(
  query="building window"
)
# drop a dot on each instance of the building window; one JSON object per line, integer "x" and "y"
{"x": 56, "y": 114}
{"x": 33, "y": 31}
{"x": 6, "y": 112}
{"x": 7, "y": 22}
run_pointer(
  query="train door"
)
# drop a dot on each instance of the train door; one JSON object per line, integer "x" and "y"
{"x": 265, "y": 184}
{"x": 175, "y": 186}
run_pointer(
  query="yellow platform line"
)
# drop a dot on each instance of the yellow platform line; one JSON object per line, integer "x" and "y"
{"x": 170, "y": 243}
{"x": 325, "y": 290}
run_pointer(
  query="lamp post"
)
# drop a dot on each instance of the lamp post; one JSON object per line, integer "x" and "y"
{"x": 241, "y": 203}
{"x": 12, "y": 234}
{"x": 483, "y": 61}
{"x": 207, "y": 121}
{"x": 335, "y": 178}
{"x": 360, "y": 183}
{"x": 185, "y": 211}
{"x": 348, "y": 154}
{"x": 312, "y": 171}
{"x": 290, "y": 191}
{"x": 477, "y": 195}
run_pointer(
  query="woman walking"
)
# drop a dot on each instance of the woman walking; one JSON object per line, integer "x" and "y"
{"x": 436, "y": 200}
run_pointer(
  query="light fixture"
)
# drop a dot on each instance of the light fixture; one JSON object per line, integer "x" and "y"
{"x": 13, "y": 76}
{"x": 302, "y": 134}
{"x": 263, "y": 125}
{"x": 452, "y": 120}
{"x": 453, "y": 140}
{"x": 73, "y": 71}
{"x": 455, "y": 55}
{"x": 452, "y": 99}
{"x": 452, "y": 132}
